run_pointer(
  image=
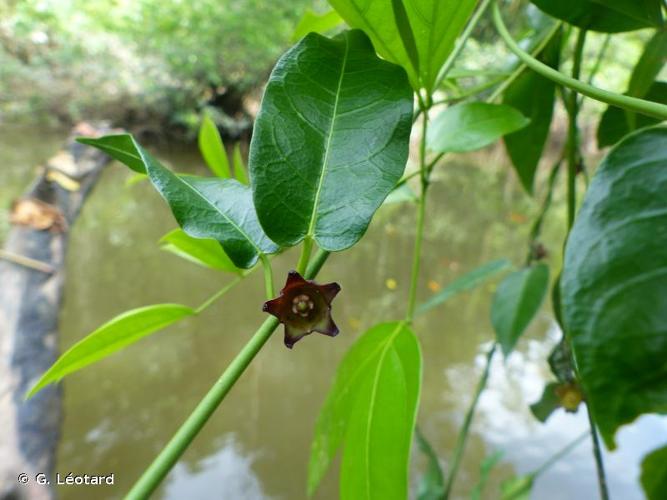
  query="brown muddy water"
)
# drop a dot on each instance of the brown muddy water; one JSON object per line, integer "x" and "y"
{"x": 120, "y": 412}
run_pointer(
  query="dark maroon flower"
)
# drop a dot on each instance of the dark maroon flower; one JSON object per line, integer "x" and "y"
{"x": 304, "y": 307}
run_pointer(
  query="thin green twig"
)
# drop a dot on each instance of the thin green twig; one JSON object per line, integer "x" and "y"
{"x": 268, "y": 277}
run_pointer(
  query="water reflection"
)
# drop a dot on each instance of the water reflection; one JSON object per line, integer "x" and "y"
{"x": 120, "y": 412}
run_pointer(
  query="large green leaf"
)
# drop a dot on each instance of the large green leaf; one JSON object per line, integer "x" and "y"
{"x": 517, "y": 300}
{"x": 647, "y": 11}
{"x": 219, "y": 209}
{"x": 120, "y": 332}
{"x": 435, "y": 26}
{"x": 207, "y": 253}
{"x": 473, "y": 125}
{"x": 372, "y": 408}
{"x": 213, "y": 149}
{"x": 654, "y": 474}
{"x": 597, "y": 16}
{"x": 464, "y": 283}
{"x": 313, "y": 22}
{"x": 534, "y": 96}
{"x": 330, "y": 141}
{"x": 614, "y": 284}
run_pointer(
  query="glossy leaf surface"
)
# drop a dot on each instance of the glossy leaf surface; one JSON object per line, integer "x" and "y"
{"x": 534, "y": 96}
{"x": 205, "y": 252}
{"x": 614, "y": 284}
{"x": 468, "y": 281}
{"x": 118, "y": 333}
{"x": 219, "y": 209}
{"x": 330, "y": 141}
{"x": 596, "y": 16}
{"x": 371, "y": 411}
{"x": 471, "y": 126}
{"x": 212, "y": 148}
{"x": 517, "y": 300}
{"x": 654, "y": 474}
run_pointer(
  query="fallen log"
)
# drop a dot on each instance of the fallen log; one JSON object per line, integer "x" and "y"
{"x": 32, "y": 276}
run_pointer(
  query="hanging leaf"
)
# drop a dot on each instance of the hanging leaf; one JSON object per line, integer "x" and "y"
{"x": 212, "y": 148}
{"x": 517, "y": 300}
{"x": 111, "y": 337}
{"x": 316, "y": 23}
{"x": 473, "y": 125}
{"x": 432, "y": 483}
{"x": 654, "y": 474}
{"x": 239, "y": 165}
{"x": 548, "y": 403}
{"x": 614, "y": 284}
{"x": 219, "y": 209}
{"x": 207, "y": 253}
{"x": 371, "y": 411}
{"x": 330, "y": 141}
{"x": 646, "y": 11}
{"x": 466, "y": 282}
{"x": 597, "y": 15}
{"x": 534, "y": 96}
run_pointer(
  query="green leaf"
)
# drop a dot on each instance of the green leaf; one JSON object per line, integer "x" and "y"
{"x": 212, "y": 148}
{"x": 435, "y": 25}
{"x": 239, "y": 165}
{"x": 118, "y": 333}
{"x": 219, "y": 209}
{"x": 614, "y": 284}
{"x": 205, "y": 252}
{"x": 313, "y": 22}
{"x": 120, "y": 147}
{"x": 647, "y": 11}
{"x": 517, "y": 300}
{"x": 466, "y": 282}
{"x": 401, "y": 194}
{"x": 330, "y": 141}
{"x": 649, "y": 65}
{"x": 473, "y": 125}
{"x": 517, "y": 488}
{"x": 371, "y": 409}
{"x": 432, "y": 483}
{"x": 548, "y": 403}
{"x": 405, "y": 32}
{"x": 654, "y": 474}
{"x": 485, "y": 468}
{"x": 596, "y": 15}
{"x": 534, "y": 96}
{"x": 617, "y": 123}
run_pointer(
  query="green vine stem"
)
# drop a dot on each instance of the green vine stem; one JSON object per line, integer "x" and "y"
{"x": 170, "y": 454}
{"x": 462, "y": 438}
{"x": 268, "y": 276}
{"x": 306, "y": 250}
{"x": 597, "y": 453}
{"x": 642, "y": 106}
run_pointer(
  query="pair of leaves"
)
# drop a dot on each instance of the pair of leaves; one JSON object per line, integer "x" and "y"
{"x": 416, "y": 34}
{"x": 517, "y": 300}
{"x": 330, "y": 141}
{"x": 213, "y": 150}
{"x": 371, "y": 411}
{"x": 219, "y": 209}
{"x": 473, "y": 125}
{"x": 608, "y": 16}
{"x": 534, "y": 96}
{"x": 614, "y": 284}
{"x": 617, "y": 123}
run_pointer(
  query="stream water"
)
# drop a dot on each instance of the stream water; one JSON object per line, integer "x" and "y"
{"x": 121, "y": 411}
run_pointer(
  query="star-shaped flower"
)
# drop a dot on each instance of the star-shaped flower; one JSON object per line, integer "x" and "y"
{"x": 304, "y": 307}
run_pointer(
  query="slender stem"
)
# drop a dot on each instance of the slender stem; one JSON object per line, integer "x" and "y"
{"x": 465, "y": 430}
{"x": 472, "y": 91}
{"x": 220, "y": 293}
{"x": 597, "y": 453}
{"x": 268, "y": 276}
{"x": 559, "y": 454}
{"x": 421, "y": 216}
{"x": 536, "y": 229}
{"x": 600, "y": 57}
{"x": 573, "y": 156}
{"x": 306, "y": 250}
{"x": 622, "y": 101}
{"x": 522, "y": 65}
{"x": 170, "y": 454}
{"x": 460, "y": 43}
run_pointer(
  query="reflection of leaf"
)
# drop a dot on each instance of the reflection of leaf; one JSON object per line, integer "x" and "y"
{"x": 432, "y": 483}
{"x": 205, "y": 252}
{"x": 114, "y": 335}
{"x": 466, "y": 282}
{"x": 371, "y": 408}
{"x": 654, "y": 474}
{"x": 517, "y": 300}
{"x": 614, "y": 284}
{"x": 330, "y": 141}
